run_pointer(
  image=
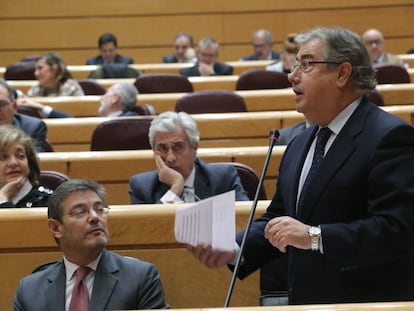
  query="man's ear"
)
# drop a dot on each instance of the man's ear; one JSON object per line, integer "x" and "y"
{"x": 343, "y": 74}
{"x": 54, "y": 227}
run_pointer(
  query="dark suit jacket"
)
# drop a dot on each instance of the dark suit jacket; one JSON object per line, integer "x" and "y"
{"x": 362, "y": 198}
{"x": 119, "y": 59}
{"x": 209, "y": 181}
{"x": 275, "y": 55}
{"x": 34, "y": 127}
{"x": 288, "y": 133}
{"x": 169, "y": 59}
{"x": 121, "y": 283}
{"x": 219, "y": 68}
{"x": 55, "y": 113}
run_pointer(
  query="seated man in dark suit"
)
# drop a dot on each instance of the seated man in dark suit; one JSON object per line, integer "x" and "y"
{"x": 207, "y": 65}
{"x": 34, "y": 127}
{"x": 181, "y": 175}
{"x": 262, "y": 43}
{"x": 184, "y": 51}
{"x": 108, "y": 45}
{"x": 77, "y": 215}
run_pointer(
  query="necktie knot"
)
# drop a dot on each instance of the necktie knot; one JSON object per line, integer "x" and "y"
{"x": 82, "y": 272}
{"x": 188, "y": 194}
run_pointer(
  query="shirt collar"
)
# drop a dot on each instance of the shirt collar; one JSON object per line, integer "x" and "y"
{"x": 189, "y": 182}
{"x": 71, "y": 267}
{"x": 339, "y": 121}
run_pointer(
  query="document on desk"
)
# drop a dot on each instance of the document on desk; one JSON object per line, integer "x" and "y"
{"x": 211, "y": 221}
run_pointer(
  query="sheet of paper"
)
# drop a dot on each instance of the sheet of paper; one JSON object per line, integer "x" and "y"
{"x": 211, "y": 221}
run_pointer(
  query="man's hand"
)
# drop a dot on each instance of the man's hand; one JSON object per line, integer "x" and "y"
{"x": 284, "y": 231}
{"x": 210, "y": 258}
{"x": 169, "y": 176}
{"x": 205, "y": 69}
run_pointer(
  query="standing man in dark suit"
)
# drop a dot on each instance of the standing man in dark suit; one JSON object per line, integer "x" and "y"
{"x": 180, "y": 175}
{"x": 262, "y": 42}
{"x": 207, "y": 65}
{"x": 108, "y": 45}
{"x": 34, "y": 127}
{"x": 78, "y": 221}
{"x": 349, "y": 234}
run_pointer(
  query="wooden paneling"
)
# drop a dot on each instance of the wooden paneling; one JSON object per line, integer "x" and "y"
{"x": 145, "y": 29}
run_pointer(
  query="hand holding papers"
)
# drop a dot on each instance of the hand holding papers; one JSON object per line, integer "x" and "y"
{"x": 208, "y": 222}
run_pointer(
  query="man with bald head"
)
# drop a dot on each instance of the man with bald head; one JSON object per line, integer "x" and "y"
{"x": 373, "y": 40}
{"x": 262, "y": 42}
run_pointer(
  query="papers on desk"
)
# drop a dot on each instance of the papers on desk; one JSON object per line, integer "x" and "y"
{"x": 211, "y": 221}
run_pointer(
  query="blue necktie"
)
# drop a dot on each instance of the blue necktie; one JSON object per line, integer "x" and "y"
{"x": 322, "y": 139}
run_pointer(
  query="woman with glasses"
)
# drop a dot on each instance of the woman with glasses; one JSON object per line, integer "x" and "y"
{"x": 19, "y": 171}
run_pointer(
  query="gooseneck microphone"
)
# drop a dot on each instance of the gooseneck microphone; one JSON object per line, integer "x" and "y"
{"x": 274, "y": 135}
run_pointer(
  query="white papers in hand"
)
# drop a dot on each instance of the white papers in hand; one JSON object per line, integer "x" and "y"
{"x": 211, "y": 221}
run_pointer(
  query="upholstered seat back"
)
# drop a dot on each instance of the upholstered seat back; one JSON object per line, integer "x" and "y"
{"x": 211, "y": 102}
{"x": 262, "y": 79}
{"x": 163, "y": 83}
{"x": 122, "y": 133}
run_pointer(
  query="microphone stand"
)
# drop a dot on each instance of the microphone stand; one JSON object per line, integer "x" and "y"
{"x": 274, "y": 135}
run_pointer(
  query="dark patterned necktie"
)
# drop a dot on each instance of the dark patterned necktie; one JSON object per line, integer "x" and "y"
{"x": 322, "y": 139}
{"x": 80, "y": 295}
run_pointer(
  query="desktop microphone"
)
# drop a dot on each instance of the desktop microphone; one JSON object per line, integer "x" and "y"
{"x": 274, "y": 135}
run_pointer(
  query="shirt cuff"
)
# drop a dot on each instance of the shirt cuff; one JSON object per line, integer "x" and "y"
{"x": 46, "y": 110}
{"x": 170, "y": 197}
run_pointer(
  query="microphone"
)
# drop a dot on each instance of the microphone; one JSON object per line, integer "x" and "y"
{"x": 274, "y": 135}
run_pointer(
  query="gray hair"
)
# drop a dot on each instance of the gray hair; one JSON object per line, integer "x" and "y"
{"x": 263, "y": 33}
{"x": 55, "y": 204}
{"x": 170, "y": 121}
{"x": 128, "y": 94}
{"x": 344, "y": 45}
{"x": 208, "y": 41}
{"x": 10, "y": 90}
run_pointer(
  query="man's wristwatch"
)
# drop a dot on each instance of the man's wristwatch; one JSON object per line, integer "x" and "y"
{"x": 315, "y": 236}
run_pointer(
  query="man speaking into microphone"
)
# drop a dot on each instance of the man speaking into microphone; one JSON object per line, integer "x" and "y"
{"x": 343, "y": 208}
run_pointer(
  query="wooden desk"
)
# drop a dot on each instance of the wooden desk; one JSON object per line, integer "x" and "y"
{"x": 260, "y": 100}
{"x": 217, "y": 130}
{"x": 114, "y": 168}
{"x": 142, "y": 231}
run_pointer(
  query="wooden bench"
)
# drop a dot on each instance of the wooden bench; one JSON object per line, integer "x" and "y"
{"x": 217, "y": 130}
{"x": 240, "y": 129}
{"x": 114, "y": 168}
{"x": 142, "y": 231}
{"x": 258, "y": 100}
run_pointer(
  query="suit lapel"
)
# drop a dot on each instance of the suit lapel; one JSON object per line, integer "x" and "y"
{"x": 339, "y": 152}
{"x": 104, "y": 283}
{"x": 55, "y": 291}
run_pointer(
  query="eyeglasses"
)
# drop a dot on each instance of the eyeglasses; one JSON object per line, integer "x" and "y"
{"x": 81, "y": 212}
{"x": 307, "y": 65}
{"x": 4, "y": 103}
{"x": 371, "y": 42}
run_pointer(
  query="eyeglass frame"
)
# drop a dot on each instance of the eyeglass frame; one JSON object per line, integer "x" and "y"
{"x": 4, "y": 103}
{"x": 86, "y": 211}
{"x": 308, "y": 64}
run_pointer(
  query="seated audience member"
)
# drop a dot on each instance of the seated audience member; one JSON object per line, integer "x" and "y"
{"x": 19, "y": 171}
{"x": 120, "y": 100}
{"x": 88, "y": 277}
{"x": 181, "y": 175}
{"x": 262, "y": 42}
{"x": 54, "y": 78}
{"x": 184, "y": 51}
{"x": 373, "y": 40}
{"x": 287, "y": 56}
{"x": 108, "y": 45}
{"x": 207, "y": 65}
{"x": 34, "y": 127}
